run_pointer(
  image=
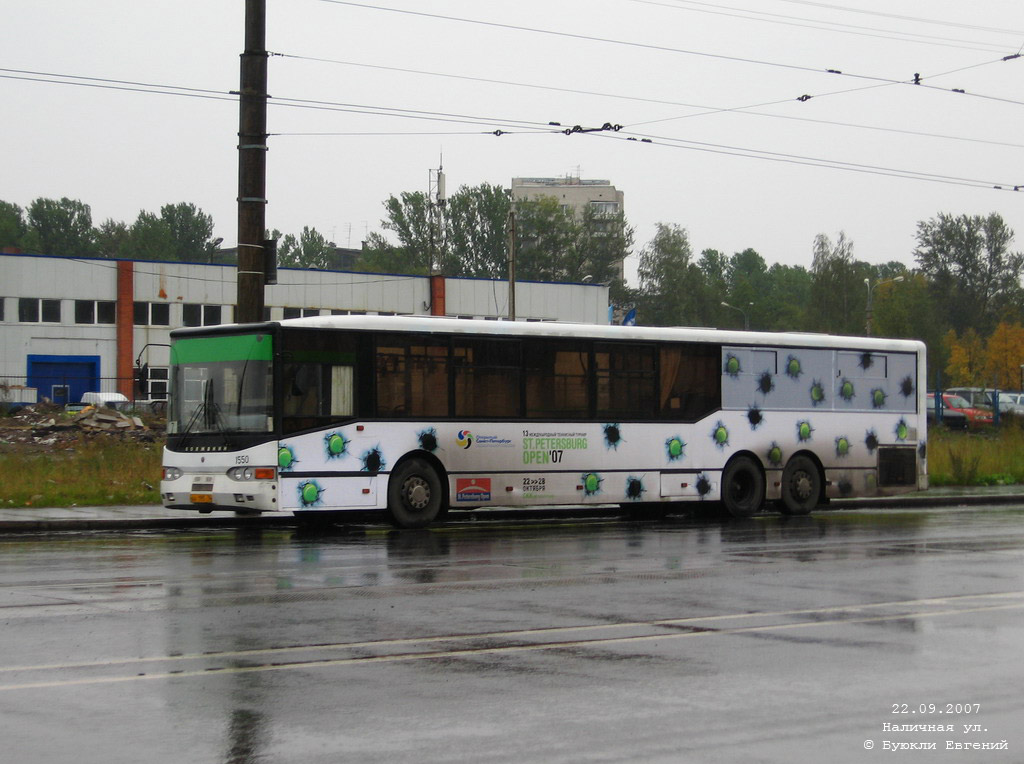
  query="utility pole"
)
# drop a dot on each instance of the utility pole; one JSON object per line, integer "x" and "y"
{"x": 252, "y": 165}
{"x": 510, "y": 228}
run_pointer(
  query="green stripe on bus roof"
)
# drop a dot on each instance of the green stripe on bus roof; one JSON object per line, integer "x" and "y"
{"x": 226, "y": 347}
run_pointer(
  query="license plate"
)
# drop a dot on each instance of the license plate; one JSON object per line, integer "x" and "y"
{"x": 201, "y": 498}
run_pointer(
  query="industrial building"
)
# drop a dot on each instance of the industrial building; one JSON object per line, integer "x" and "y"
{"x": 69, "y": 326}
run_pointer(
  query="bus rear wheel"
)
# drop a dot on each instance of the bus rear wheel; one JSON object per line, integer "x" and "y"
{"x": 415, "y": 496}
{"x": 801, "y": 486}
{"x": 742, "y": 487}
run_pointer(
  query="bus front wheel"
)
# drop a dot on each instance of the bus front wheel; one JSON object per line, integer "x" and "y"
{"x": 415, "y": 496}
{"x": 742, "y": 487}
{"x": 801, "y": 486}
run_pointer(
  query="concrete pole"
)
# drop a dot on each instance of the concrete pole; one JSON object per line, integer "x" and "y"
{"x": 252, "y": 164}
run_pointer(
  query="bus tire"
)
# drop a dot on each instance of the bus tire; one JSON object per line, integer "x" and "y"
{"x": 742, "y": 487}
{"x": 415, "y": 495}
{"x": 801, "y": 486}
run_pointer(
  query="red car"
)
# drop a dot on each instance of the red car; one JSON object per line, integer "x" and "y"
{"x": 975, "y": 417}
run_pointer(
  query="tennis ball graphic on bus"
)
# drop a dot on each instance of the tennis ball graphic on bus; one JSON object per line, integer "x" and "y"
{"x": 336, "y": 445}
{"x": 793, "y": 368}
{"x": 732, "y": 365}
{"x": 592, "y": 483}
{"x": 720, "y": 435}
{"x": 286, "y": 458}
{"x": 878, "y": 397}
{"x": 902, "y": 430}
{"x": 803, "y": 430}
{"x": 775, "y": 454}
{"x": 817, "y": 393}
{"x": 309, "y": 493}
{"x": 846, "y": 391}
{"x": 675, "y": 447}
{"x": 842, "y": 446}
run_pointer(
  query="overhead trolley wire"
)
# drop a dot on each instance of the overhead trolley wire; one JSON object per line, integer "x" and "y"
{"x": 705, "y": 109}
{"x": 829, "y": 26}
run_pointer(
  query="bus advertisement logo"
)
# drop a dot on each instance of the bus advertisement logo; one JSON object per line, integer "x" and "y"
{"x": 473, "y": 489}
{"x": 464, "y": 439}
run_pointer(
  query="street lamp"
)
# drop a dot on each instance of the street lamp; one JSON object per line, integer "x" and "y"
{"x": 871, "y": 291}
{"x": 746, "y": 321}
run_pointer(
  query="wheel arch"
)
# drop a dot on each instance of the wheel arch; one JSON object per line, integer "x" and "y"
{"x": 817, "y": 463}
{"x": 748, "y": 454}
{"x": 435, "y": 463}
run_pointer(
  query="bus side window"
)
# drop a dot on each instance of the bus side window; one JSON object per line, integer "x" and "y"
{"x": 625, "y": 381}
{"x": 301, "y": 394}
{"x": 690, "y": 382}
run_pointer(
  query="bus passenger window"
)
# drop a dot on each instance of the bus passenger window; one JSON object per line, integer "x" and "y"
{"x": 486, "y": 374}
{"x": 690, "y": 382}
{"x": 557, "y": 382}
{"x": 412, "y": 379}
{"x": 301, "y": 394}
{"x": 625, "y": 381}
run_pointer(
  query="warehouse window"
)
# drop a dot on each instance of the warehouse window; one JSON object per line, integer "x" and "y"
{"x": 152, "y": 314}
{"x": 95, "y": 311}
{"x": 32, "y": 310}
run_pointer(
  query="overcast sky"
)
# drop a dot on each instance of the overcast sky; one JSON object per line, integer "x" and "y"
{"x": 711, "y": 84}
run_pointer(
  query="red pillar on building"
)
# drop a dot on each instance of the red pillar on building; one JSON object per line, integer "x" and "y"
{"x": 125, "y": 328}
{"x": 437, "y": 307}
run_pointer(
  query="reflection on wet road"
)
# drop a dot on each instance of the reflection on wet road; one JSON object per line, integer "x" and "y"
{"x": 682, "y": 640}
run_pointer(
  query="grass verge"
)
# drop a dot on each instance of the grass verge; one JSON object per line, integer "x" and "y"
{"x": 990, "y": 457}
{"x": 88, "y": 472}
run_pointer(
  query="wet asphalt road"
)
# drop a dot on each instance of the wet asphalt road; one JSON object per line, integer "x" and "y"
{"x": 685, "y": 640}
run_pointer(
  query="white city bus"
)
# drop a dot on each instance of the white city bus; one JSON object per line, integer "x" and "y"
{"x": 417, "y": 415}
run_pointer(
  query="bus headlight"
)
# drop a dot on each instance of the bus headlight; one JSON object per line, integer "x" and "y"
{"x": 171, "y": 473}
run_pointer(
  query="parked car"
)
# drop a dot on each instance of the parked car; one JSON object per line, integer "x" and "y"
{"x": 976, "y": 417}
{"x": 954, "y": 419}
{"x": 109, "y": 400}
{"x": 977, "y": 397}
{"x": 1012, "y": 403}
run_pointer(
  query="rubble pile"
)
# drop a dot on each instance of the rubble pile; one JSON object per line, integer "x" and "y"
{"x": 91, "y": 418}
{"x": 46, "y": 425}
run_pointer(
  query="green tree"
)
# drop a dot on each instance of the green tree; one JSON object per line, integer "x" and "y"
{"x": 668, "y": 278}
{"x": 112, "y": 239}
{"x": 12, "y": 225}
{"x": 544, "y": 234}
{"x": 60, "y": 227}
{"x": 970, "y": 266}
{"x": 713, "y": 290}
{"x": 149, "y": 238}
{"x": 191, "y": 232}
{"x": 838, "y": 295}
{"x": 475, "y": 242}
{"x": 783, "y": 304}
{"x": 747, "y": 276}
{"x": 310, "y": 250}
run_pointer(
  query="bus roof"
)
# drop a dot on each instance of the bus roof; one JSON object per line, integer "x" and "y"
{"x": 446, "y": 325}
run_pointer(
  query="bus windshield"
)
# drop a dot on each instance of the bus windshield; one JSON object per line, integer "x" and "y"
{"x": 221, "y": 384}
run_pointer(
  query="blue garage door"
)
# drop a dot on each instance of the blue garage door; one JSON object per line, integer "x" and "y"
{"x": 63, "y": 378}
